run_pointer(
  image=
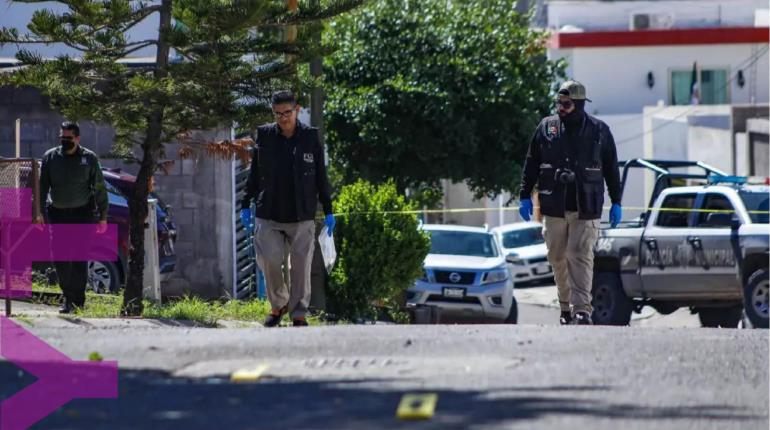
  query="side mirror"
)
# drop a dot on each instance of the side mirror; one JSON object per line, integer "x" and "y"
{"x": 513, "y": 259}
{"x": 735, "y": 223}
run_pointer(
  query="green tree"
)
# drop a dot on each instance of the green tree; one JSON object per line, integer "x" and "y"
{"x": 424, "y": 90}
{"x": 380, "y": 249}
{"x": 216, "y": 62}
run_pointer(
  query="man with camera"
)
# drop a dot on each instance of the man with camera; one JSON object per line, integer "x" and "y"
{"x": 570, "y": 157}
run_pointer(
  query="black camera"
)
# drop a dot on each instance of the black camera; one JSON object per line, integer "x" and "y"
{"x": 565, "y": 176}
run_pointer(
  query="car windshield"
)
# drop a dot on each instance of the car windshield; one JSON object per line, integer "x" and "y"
{"x": 758, "y": 204}
{"x": 462, "y": 243}
{"x": 523, "y": 237}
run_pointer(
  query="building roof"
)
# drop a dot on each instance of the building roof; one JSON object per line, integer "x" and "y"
{"x": 679, "y": 36}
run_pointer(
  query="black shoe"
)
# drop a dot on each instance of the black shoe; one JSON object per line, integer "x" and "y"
{"x": 274, "y": 320}
{"x": 299, "y": 323}
{"x": 66, "y": 308}
{"x": 565, "y": 318}
{"x": 582, "y": 318}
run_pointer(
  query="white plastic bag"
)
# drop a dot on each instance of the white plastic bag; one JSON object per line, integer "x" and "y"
{"x": 328, "y": 251}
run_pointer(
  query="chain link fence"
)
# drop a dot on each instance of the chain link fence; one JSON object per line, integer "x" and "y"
{"x": 19, "y": 174}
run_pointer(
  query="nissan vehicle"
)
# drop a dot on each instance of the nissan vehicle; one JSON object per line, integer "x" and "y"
{"x": 466, "y": 276}
{"x": 702, "y": 247}
{"x": 524, "y": 247}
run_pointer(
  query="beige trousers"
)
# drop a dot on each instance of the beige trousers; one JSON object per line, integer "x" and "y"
{"x": 272, "y": 241}
{"x": 570, "y": 244}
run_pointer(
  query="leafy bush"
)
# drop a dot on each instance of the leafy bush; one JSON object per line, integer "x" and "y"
{"x": 380, "y": 250}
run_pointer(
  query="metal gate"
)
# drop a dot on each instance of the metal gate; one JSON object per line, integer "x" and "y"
{"x": 249, "y": 281}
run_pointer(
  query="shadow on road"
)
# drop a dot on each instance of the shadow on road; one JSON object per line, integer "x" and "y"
{"x": 159, "y": 401}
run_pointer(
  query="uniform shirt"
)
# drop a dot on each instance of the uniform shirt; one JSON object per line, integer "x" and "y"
{"x": 284, "y": 207}
{"x": 73, "y": 180}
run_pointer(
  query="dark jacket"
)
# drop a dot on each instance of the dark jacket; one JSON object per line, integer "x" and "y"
{"x": 73, "y": 181}
{"x": 590, "y": 153}
{"x": 311, "y": 184}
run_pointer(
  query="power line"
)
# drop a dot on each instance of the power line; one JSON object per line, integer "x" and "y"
{"x": 738, "y": 66}
{"x": 752, "y": 59}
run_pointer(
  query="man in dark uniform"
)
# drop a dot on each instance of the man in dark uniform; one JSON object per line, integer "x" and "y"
{"x": 72, "y": 175}
{"x": 570, "y": 157}
{"x": 287, "y": 180}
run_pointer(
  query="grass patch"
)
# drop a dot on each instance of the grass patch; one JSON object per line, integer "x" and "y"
{"x": 186, "y": 308}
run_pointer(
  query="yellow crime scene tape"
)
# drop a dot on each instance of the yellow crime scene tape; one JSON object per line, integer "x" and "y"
{"x": 516, "y": 208}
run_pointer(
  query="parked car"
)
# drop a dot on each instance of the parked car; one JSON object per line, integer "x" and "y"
{"x": 466, "y": 276}
{"x": 703, "y": 247}
{"x": 167, "y": 231}
{"x": 111, "y": 276}
{"x": 524, "y": 247}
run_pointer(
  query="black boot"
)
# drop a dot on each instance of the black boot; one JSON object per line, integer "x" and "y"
{"x": 565, "y": 318}
{"x": 582, "y": 318}
{"x": 66, "y": 307}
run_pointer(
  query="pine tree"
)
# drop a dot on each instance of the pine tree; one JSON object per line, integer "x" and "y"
{"x": 216, "y": 63}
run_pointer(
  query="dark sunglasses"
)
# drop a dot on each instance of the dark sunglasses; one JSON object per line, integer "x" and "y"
{"x": 284, "y": 114}
{"x": 566, "y": 104}
{"x": 66, "y": 138}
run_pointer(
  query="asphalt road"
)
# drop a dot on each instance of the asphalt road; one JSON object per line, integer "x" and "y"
{"x": 486, "y": 376}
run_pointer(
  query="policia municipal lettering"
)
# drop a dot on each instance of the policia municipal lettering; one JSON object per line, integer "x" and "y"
{"x": 74, "y": 179}
{"x": 570, "y": 157}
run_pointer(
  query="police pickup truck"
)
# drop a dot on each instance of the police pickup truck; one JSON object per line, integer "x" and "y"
{"x": 703, "y": 247}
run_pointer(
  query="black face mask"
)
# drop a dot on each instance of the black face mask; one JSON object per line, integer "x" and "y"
{"x": 67, "y": 144}
{"x": 572, "y": 119}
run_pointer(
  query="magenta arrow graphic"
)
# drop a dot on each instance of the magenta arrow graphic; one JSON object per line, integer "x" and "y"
{"x": 59, "y": 379}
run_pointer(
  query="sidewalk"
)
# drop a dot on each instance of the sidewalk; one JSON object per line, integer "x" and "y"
{"x": 37, "y": 315}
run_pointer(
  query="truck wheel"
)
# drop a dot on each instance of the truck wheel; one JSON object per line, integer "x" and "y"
{"x": 513, "y": 314}
{"x": 755, "y": 298}
{"x": 727, "y": 317}
{"x": 611, "y": 305}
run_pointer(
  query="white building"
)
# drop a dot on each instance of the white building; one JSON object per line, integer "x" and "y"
{"x": 636, "y": 54}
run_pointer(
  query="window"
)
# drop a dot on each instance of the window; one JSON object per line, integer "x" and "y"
{"x": 675, "y": 210}
{"x": 758, "y": 204}
{"x": 712, "y": 84}
{"x": 523, "y": 237}
{"x": 462, "y": 243}
{"x": 716, "y": 202}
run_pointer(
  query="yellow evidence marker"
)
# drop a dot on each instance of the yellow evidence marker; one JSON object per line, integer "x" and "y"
{"x": 417, "y": 406}
{"x": 248, "y": 375}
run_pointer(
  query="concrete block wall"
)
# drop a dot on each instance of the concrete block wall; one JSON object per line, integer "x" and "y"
{"x": 200, "y": 190}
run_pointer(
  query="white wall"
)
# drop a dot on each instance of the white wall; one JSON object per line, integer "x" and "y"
{"x": 604, "y": 15}
{"x": 616, "y": 78}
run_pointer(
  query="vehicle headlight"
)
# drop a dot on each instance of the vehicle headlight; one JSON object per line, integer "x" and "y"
{"x": 515, "y": 259}
{"x": 497, "y": 275}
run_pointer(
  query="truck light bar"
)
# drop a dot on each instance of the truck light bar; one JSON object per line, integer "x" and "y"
{"x": 727, "y": 179}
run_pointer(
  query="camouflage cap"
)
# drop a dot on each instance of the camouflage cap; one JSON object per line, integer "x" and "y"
{"x": 574, "y": 89}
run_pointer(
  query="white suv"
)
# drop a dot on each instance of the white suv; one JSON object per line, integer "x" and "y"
{"x": 524, "y": 247}
{"x": 466, "y": 276}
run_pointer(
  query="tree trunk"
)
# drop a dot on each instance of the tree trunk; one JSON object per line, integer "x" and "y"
{"x": 132, "y": 297}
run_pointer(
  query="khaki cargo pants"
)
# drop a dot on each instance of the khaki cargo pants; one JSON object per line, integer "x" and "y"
{"x": 570, "y": 244}
{"x": 272, "y": 241}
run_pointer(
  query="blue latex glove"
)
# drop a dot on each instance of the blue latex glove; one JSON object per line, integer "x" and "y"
{"x": 526, "y": 209}
{"x": 246, "y": 220}
{"x": 616, "y": 214}
{"x": 330, "y": 222}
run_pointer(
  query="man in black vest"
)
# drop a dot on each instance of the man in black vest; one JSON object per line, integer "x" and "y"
{"x": 570, "y": 157}
{"x": 287, "y": 180}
